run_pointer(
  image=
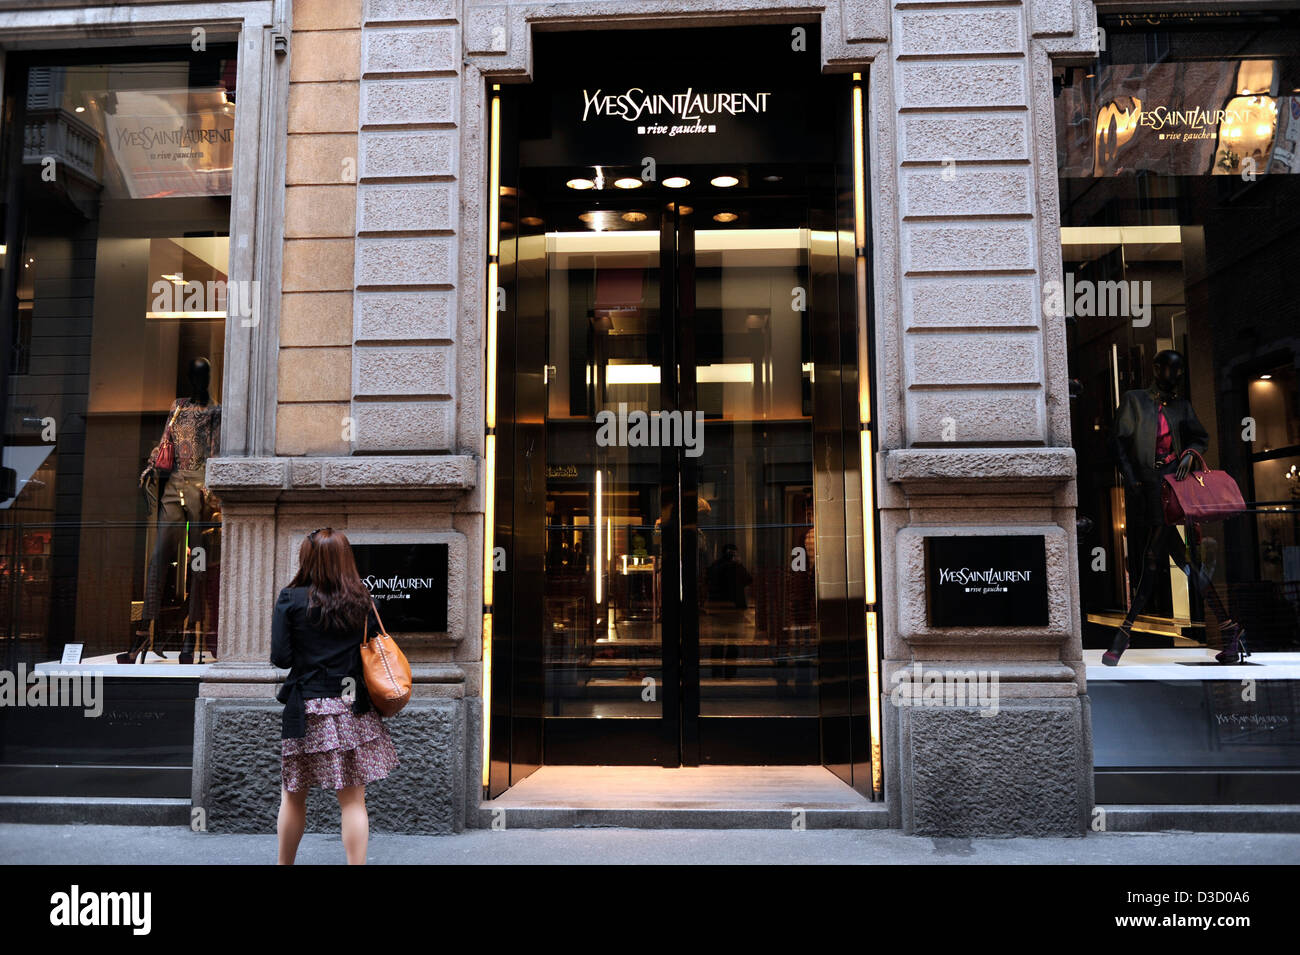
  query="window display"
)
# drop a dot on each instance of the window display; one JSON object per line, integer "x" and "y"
{"x": 1176, "y": 153}
{"x": 118, "y": 257}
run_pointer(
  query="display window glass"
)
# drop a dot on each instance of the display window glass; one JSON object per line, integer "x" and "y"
{"x": 115, "y": 264}
{"x": 1178, "y": 152}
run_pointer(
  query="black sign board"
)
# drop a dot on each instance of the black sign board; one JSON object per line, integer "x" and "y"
{"x": 986, "y": 581}
{"x": 409, "y": 584}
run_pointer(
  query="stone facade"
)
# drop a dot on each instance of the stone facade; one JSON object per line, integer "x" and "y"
{"x": 357, "y": 401}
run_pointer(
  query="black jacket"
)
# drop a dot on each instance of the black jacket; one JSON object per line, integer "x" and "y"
{"x": 1134, "y": 437}
{"x": 318, "y": 660}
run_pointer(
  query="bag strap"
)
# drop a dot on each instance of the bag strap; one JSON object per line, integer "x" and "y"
{"x": 377, "y": 617}
{"x": 1204, "y": 466}
{"x": 175, "y": 411}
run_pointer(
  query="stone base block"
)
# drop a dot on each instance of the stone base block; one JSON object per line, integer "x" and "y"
{"x": 237, "y": 770}
{"x": 1024, "y": 771}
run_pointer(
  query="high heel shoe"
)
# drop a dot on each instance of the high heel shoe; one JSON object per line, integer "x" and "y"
{"x": 1117, "y": 646}
{"x": 1234, "y": 649}
{"x": 137, "y": 653}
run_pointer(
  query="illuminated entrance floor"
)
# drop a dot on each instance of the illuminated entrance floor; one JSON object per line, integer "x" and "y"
{"x": 684, "y": 797}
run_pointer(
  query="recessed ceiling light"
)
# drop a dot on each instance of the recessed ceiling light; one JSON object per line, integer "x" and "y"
{"x": 580, "y": 184}
{"x": 627, "y": 182}
{"x": 80, "y": 109}
{"x": 725, "y": 217}
{"x": 1265, "y": 377}
{"x": 724, "y": 182}
{"x": 531, "y": 220}
{"x": 634, "y": 217}
{"x": 772, "y": 178}
{"x": 676, "y": 182}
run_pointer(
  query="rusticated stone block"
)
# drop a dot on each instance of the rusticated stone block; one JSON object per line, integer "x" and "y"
{"x": 414, "y": 10}
{"x": 965, "y": 30}
{"x": 1016, "y": 773}
{"x": 410, "y": 50}
{"x": 967, "y": 247}
{"x": 317, "y": 265}
{"x": 960, "y": 136}
{"x": 237, "y": 770}
{"x": 998, "y": 300}
{"x": 403, "y": 370}
{"x": 452, "y": 471}
{"x": 966, "y": 191}
{"x": 975, "y": 417}
{"x": 404, "y": 316}
{"x": 487, "y": 30}
{"x": 1004, "y": 358}
{"x": 427, "y": 260}
{"x": 392, "y": 153}
{"x": 405, "y": 425}
{"x": 947, "y": 83}
{"x": 400, "y": 102}
{"x": 407, "y": 207}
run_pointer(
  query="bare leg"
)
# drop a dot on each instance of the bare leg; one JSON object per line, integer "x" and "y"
{"x": 292, "y": 822}
{"x": 356, "y": 823}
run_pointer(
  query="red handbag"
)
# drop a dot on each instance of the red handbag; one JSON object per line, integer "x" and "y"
{"x": 1202, "y": 496}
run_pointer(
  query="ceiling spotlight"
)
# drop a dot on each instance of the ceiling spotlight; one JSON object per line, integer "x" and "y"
{"x": 724, "y": 182}
{"x": 580, "y": 184}
{"x": 772, "y": 178}
{"x": 80, "y": 109}
{"x": 531, "y": 220}
{"x": 725, "y": 217}
{"x": 1265, "y": 377}
{"x": 634, "y": 217}
{"x": 676, "y": 182}
{"x": 627, "y": 182}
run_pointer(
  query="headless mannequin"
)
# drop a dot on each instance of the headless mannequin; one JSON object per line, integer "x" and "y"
{"x": 1156, "y": 432}
{"x": 193, "y": 428}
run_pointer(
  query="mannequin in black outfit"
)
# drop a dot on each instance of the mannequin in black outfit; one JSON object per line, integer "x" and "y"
{"x": 1144, "y": 461}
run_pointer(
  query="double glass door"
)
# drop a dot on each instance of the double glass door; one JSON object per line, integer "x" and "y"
{"x": 682, "y": 472}
{"x": 680, "y": 560}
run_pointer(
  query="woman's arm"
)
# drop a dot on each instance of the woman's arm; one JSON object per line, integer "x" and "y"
{"x": 281, "y": 630}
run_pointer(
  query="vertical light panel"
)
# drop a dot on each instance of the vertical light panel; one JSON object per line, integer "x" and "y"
{"x": 490, "y": 412}
{"x": 598, "y": 528}
{"x": 866, "y": 438}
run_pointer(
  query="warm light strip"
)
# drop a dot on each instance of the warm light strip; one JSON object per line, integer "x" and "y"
{"x": 490, "y": 418}
{"x": 596, "y": 563}
{"x": 1121, "y": 235}
{"x": 873, "y": 680}
{"x": 184, "y": 314}
{"x": 490, "y": 322}
{"x": 868, "y": 517}
{"x": 865, "y": 437}
{"x": 859, "y": 173}
{"x": 706, "y": 240}
{"x": 729, "y": 372}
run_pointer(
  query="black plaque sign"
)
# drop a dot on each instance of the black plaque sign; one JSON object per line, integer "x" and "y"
{"x": 986, "y": 581}
{"x": 409, "y": 584}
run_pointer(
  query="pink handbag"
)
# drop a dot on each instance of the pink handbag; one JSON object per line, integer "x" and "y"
{"x": 1202, "y": 496}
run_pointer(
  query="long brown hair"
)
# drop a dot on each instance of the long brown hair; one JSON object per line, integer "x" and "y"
{"x": 327, "y": 567}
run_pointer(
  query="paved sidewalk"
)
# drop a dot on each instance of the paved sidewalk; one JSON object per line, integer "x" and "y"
{"x": 126, "y": 845}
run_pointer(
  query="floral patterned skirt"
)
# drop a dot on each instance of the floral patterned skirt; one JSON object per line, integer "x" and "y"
{"x": 340, "y": 749}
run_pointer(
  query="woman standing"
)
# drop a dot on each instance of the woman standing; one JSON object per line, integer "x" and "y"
{"x": 331, "y": 736}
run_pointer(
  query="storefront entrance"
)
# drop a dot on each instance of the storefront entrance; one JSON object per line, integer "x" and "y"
{"x": 678, "y": 516}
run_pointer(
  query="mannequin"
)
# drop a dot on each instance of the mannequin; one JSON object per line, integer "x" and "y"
{"x": 1156, "y": 432}
{"x": 194, "y": 429}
